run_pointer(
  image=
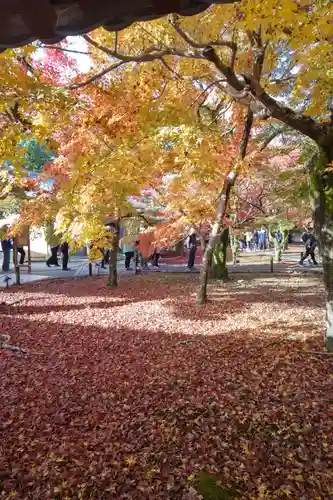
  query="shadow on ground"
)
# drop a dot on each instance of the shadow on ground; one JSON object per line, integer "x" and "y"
{"x": 135, "y": 410}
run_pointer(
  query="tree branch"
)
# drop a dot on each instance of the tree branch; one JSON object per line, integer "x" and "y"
{"x": 169, "y": 68}
{"x": 95, "y": 77}
{"x": 174, "y": 21}
{"x": 246, "y": 133}
{"x": 61, "y": 49}
{"x": 151, "y": 55}
{"x": 205, "y": 90}
{"x": 270, "y": 138}
{"x": 210, "y": 54}
{"x": 162, "y": 91}
{"x": 253, "y": 205}
{"x": 300, "y": 122}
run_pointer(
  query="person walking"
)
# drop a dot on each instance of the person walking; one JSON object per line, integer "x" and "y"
{"x": 65, "y": 256}
{"x": 54, "y": 241}
{"x": 53, "y": 260}
{"x": 6, "y": 246}
{"x": 21, "y": 251}
{"x": 192, "y": 248}
{"x": 310, "y": 243}
{"x": 19, "y": 241}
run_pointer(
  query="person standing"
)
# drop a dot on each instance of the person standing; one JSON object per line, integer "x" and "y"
{"x": 248, "y": 240}
{"x": 6, "y": 246}
{"x": 102, "y": 250}
{"x": 156, "y": 256}
{"x": 310, "y": 243}
{"x": 278, "y": 236}
{"x": 128, "y": 250}
{"x": 256, "y": 240}
{"x": 65, "y": 255}
{"x": 192, "y": 248}
{"x": 144, "y": 247}
{"x": 262, "y": 239}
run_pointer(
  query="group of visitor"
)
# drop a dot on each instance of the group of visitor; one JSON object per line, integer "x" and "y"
{"x": 255, "y": 240}
{"x": 144, "y": 251}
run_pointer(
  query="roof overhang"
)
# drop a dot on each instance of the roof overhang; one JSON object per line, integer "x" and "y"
{"x": 50, "y": 21}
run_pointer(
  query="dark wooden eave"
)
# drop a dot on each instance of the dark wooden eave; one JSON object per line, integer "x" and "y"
{"x": 24, "y": 21}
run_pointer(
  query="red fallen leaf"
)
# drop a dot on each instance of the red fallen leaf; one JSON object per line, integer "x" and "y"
{"x": 142, "y": 372}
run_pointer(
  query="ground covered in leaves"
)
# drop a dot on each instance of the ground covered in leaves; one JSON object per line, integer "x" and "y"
{"x": 136, "y": 393}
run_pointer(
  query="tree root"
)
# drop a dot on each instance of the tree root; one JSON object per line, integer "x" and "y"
{"x": 190, "y": 341}
{"x": 319, "y": 353}
{"x": 4, "y": 338}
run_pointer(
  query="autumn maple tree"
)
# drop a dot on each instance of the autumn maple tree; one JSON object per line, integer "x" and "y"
{"x": 241, "y": 53}
{"x": 252, "y": 55}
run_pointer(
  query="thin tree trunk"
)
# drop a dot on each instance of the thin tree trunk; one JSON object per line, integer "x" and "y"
{"x": 219, "y": 268}
{"x": 208, "y": 254}
{"x": 179, "y": 248}
{"x": 235, "y": 248}
{"x": 229, "y": 181}
{"x": 321, "y": 188}
{"x": 113, "y": 275}
{"x": 202, "y": 243}
{"x": 278, "y": 250}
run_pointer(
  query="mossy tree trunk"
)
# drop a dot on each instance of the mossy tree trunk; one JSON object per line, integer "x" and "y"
{"x": 321, "y": 192}
{"x": 219, "y": 268}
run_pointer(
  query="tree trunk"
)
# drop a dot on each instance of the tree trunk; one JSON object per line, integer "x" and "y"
{"x": 219, "y": 268}
{"x": 202, "y": 243}
{"x": 285, "y": 237}
{"x": 229, "y": 181}
{"x": 179, "y": 248}
{"x": 321, "y": 191}
{"x": 235, "y": 248}
{"x": 113, "y": 275}
{"x": 216, "y": 229}
{"x": 278, "y": 250}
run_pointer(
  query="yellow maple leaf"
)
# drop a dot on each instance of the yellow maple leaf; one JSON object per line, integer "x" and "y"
{"x": 130, "y": 460}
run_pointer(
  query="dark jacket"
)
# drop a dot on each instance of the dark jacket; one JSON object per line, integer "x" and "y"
{"x": 309, "y": 240}
{"x": 192, "y": 241}
{"x": 6, "y": 244}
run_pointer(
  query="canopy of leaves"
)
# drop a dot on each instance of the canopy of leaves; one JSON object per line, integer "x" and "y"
{"x": 155, "y": 104}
